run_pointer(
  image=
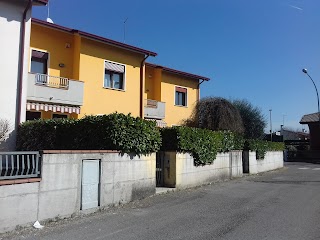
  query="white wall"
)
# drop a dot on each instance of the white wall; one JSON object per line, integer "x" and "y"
{"x": 10, "y": 22}
{"x": 123, "y": 178}
{"x": 271, "y": 161}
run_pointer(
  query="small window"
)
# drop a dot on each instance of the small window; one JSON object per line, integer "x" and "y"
{"x": 39, "y": 62}
{"x": 32, "y": 115}
{"x": 181, "y": 96}
{"x": 59, "y": 116}
{"x": 114, "y": 76}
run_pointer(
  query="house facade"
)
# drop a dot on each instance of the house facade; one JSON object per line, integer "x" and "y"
{"x": 74, "y": 73}
{"x": 15, "y": 23}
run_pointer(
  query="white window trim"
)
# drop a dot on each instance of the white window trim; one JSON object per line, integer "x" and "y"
{"x": 124, "y": 76}
{"x": 174, "y": 91}
{"x": 39, "y": 50}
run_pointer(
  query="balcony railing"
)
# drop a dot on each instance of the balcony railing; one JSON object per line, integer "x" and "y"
{"x": 51, "y": 81}
{"x": 154, "y": 109}
{"x": 54, "y": 90}
{"x": 15, "y": 165}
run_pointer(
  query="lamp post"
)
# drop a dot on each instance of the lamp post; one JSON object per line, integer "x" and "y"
{"x": 306, "y": 72}
{"x": 270, "y": 110}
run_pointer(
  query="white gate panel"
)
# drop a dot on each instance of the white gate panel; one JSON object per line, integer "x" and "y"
{"x": 90, "y": 184}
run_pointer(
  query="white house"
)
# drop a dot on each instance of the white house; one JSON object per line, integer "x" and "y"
{"x": 15, "y": 24}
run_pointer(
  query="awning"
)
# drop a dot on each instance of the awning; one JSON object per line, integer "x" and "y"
{"x": 159, "y": 123}
{"x": 53, "y": 108}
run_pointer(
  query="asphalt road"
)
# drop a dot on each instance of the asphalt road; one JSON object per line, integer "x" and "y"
{"x": 279, "y": 205}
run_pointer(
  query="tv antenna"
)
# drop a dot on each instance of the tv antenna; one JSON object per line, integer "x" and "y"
{"x": 49, "y": 20}
{"x": 124, "y": 30}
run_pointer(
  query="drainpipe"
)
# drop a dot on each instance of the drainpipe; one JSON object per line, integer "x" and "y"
{"x": 21, "y": 60}
{"x": 199, "y": 89}
{"x": 141, "y": 86}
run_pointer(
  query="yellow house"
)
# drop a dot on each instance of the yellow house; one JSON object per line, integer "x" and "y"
{"x": 73, "y": 73}
{"x": 170, "y": 94}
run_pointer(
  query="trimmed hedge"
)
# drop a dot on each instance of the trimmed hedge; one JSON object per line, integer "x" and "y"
{"x": 203, "y": 144}
{"x": 261, "y": 147}
{"x": 111, "y": 132}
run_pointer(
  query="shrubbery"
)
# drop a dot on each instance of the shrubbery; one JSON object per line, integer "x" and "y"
{"x": 202, "y": 144}
{"x": 111, "y": 132}
{"x": 261, "y": 147}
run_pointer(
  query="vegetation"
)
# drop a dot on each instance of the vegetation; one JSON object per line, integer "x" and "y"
{"x": 216, "y": 114}
{"x": 4, "y": 129}
{"x": 111, "y": 132}
{"x": 202, "y": 144}
{"x": 253, "y": 120}
{"x": 261, "y": 147}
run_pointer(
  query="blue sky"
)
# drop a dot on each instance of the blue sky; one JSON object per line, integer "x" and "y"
{"x": 251, "y": 49}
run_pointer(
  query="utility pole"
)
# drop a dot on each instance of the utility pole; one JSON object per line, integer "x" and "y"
{"x": 270, "y": 110}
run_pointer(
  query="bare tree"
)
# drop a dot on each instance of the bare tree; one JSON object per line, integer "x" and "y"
{"x": 216, "y": 113}
{"x": 4, "y": 129}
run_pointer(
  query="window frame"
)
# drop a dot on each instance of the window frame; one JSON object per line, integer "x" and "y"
{"x": 30, "y": 111}
{"x": 185, "y": 98}
{"x": 48, "y": 60}
{"x": 123, "y": 89}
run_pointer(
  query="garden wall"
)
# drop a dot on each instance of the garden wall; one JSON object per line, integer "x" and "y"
{"x": 123, "y": 178}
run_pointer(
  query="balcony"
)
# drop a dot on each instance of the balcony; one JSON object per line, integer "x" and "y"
{"x": 55, "y": 90}
{"x": 154, "y": 109}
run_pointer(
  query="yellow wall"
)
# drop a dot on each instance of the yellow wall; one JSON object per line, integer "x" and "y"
{"x": 99, "y": 100}
{"x": 54, "y": 42}
{"x": 175, "y": 114}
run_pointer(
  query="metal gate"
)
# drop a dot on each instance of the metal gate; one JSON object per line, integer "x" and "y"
{"x": 160, "y": 169}
{"x": 90, "y": 184}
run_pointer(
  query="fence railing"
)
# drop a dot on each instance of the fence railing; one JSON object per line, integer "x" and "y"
{"x": 17, "y": 165}
{"x": 51, "y": 81}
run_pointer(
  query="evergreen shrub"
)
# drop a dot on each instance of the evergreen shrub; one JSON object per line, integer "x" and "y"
{"x": 202, "y": 144}
{"x": 107, "y": 132}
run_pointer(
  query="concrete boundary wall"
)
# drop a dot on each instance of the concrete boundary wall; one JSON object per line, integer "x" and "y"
{"x": 181, "y": 172}
{"x": 123, "y": 178}
{"x": 271, "y": 161}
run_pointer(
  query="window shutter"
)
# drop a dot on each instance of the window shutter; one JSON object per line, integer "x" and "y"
{"x": 180, "y": 89}
{"x": 114, "y": 67}
{"x": 38, "y": 54}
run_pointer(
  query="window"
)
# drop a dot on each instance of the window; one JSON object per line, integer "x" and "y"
{"x": 59, "y": 116}
{"x": 181, "y": 96}
{"x": 114, "y": 75}
{"x": 33, "y": 115}
{"x": 39, "y": 62}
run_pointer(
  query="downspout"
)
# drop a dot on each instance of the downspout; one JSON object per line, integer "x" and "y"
{"x": 21, "y": 61}
{"x": 199, "y": 90}
{"x": 141, "y": 86}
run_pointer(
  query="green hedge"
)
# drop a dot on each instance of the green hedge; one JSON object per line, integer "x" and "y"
{"x": 203, "y": 144}
{"x": 261, "y": 147}
{"x": 111, "y": 132}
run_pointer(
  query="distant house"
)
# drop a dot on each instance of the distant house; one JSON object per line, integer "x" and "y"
{"x": 314, "y": 127}
{"x": 293, "y": 135}
{"x": 15, "y": 25}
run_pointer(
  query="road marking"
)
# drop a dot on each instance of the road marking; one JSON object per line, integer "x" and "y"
{"x": 316, "y": 169}
{"x": 304, "y": 168}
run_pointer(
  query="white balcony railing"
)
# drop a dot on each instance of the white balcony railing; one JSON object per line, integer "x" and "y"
{"x": 54, "y": 90}
{"x": 154, "y": 109}
{"x": 51, "y": 81}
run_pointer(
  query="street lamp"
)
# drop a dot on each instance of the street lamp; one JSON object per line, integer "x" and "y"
{"x": 306, "y": 72}
{"x": 270, "y": 110}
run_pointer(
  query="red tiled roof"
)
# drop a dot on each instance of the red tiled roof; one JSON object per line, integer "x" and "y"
{"x": 185, "y": 74}
{"x": 95, "y": 37}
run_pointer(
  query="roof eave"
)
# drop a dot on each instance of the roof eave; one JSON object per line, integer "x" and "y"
{"x": 174, "y": 71}
{"x": 95, "y": 37}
